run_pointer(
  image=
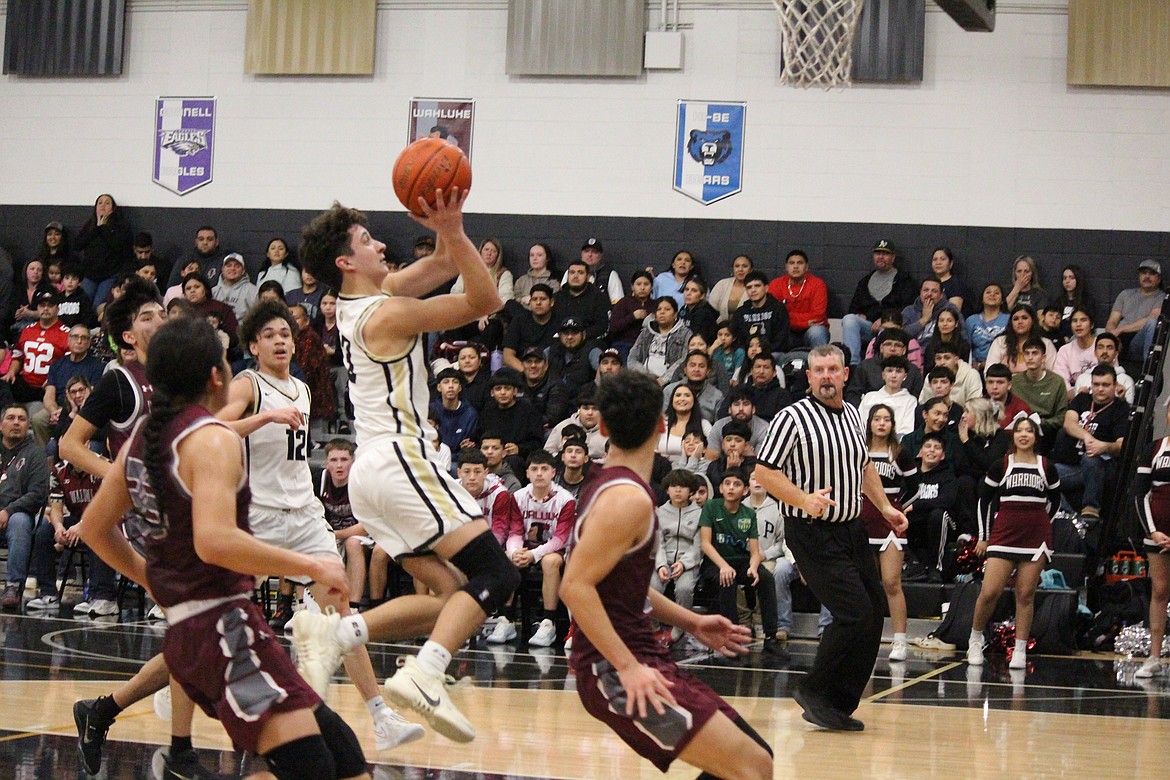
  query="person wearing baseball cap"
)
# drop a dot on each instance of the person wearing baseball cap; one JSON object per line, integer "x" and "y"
{"x": 532, "y": 327}
{"x": 551, "y": 399}
{"x": 885, "y": 287}
{"x": 40, "y": 345}
{"x": 569, "y": 358}
{"x": 1135, "y": 312}
{"x": 511, "y": 419}
{"x": 601, "y": 276}
{"x": 234, "y": 287}
{"x": 55, "y": 246}
{"x": 458, "y": 420}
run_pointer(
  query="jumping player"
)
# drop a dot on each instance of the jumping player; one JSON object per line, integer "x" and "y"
{"x": 411, "y": 506}
{"x": 624, "y": 677}
{"x": 270, "y": 408}
{"x": 182, "y": 473}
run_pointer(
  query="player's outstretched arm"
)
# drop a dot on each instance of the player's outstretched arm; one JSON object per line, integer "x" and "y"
{"x": 715, "y": 631}
{"x": 100, "y": 524}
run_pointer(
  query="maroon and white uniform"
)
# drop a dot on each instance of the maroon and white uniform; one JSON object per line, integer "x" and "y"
{"x": 499, "y": 508}
{"x": 335, "y": 499}
{"x": 544, "y": 523}
{"x": 75, "y": 489}
{"x": 623, "y": 592}
{"x": 132, "y": 407}
{"x": 1021, "y": 499}
{"x": 218, "y": 646}
{"x": 1152, "y": 489}
{"x": 894, "y": 473}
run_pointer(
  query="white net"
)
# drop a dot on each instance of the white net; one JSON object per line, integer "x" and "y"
{"x": 817, "y": 41}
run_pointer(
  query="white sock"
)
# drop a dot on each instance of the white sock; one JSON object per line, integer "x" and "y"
{"x": 1021, "y": 646}
{"x": 434, "y": 657}
{"x": 899, "y": 636}
{"x": 375, "y": 705}
{"x": 976, "y": 639}
{"x": 353, "y": 631}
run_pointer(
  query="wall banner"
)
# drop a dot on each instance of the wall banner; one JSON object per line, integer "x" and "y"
{"x": 708, "y": 154}
{"x": 184, "y": 138}
{"x": 447, "y": 118}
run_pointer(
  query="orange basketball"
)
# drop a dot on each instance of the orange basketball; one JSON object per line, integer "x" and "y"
{"x": 427, "y": 165}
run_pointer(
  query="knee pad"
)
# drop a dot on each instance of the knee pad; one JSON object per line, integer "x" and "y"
{"x": 348, "y": 757}
{"x": 491, "y": 577}
{"x": 307, "y": 758}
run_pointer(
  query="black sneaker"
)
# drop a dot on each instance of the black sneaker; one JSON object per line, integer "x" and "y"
{"x": 91, "y": 734}
{"x": 281, "y": 617}
{"x": 184, "y": 766}
{"x": 819, "y": 713}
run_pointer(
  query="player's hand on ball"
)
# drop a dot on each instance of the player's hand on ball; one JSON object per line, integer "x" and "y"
{"x": 644, "y": 684}
{"x": 446, "y": 214}
{"x": 721, "y": 635}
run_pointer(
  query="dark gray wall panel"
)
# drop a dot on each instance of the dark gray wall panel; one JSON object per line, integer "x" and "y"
{"x": 890, "y": 41}
{"x": 64, "y": 37}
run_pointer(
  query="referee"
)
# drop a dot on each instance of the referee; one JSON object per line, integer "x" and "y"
{"x": 815, "y": 462}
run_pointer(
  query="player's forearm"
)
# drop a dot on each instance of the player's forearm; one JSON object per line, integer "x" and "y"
{"x": 589, "y": 613}
{"x": 666, "y": 611}
{"x": 479, "y": 287}
{"x": 110, "y": 545}
{"x": 239, "y": 551}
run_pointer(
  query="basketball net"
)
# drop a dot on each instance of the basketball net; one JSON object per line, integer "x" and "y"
{"x": 817, "y": 41}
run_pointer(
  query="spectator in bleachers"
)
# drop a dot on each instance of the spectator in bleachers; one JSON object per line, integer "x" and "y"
{"x": 53, "y": 271}
{"x": 469, "y": 361}
{"x": 733, "y": 453}
{"x": 662, "y": 345}
{"x": 893, "y": 395}
{"x": 531, "y": 327}
{"x": 41, "y": 344}
{"x": 1080, "y": 354}
{"x": 608, "y": 362}
{"x": 326, "y": 328}
{"x": 942, "y": 265}
{"x": 279, "y": 267}
{"x": 1008, "y": 347}
{"x": 148, "y": 270}
{"x": 892, "y": 318}
{"x": 499, "y": 507}
{"x": 698, "y": 315}
{"x": 307, "y": 295}
{"x": 1136, "y": 310}
{"x": 70, "y": 492}
{"x": 599, "y": 276}
{"x": 935, "y": 418}
{"x": 867, "y": 376}
{"x": 77, "y": 391}
{"x": 234, "y": 287}
{"x": 740, "y": 408}
{"x": 540, "y": 271}
{"x": 576, "y": 467}
{"x": 670, "y": 282}
{"x": 190, "y": 268}
{"x": 588, "y": 419}
{"x": 1090, "y": 441}
{"x": 725, "y": 351}
{"x": 206, "y": 252}
{"x": 719, "y": 375}
{"x": 55, "y": 246}
{"x": 948, "y": 330}
{"x": 1050, "y": 325}
{"x": 75, "y": 306}
{"x": 1074, "y": 294}
{"x": 490, "y": 329}
{"x": 458, "y": 420}
{"x": 629, "y": 315}
{"x": 729, "y": 292}
{"x": 582, "y": 302}
{"x": 197, "y": 291}
{"x": 549, "y": 398}
{"x": 569, "y": 358}
{"x": 352, "y": 540}
{"x": 24, "y": 487}
{"x": 144, "y": 254}
{"x": 806, "y": 297}
{"x": 697, "y": 376}
{"x": 777, "y": 557}
{"x": 492, "y": 447}
{"x": 34, "y": 283}
{"x": 1107, "y": 351}
{"x": 921, "y": 315}
{"x": 682, "y": 418}
{"x": 929, "y": 507}
{"x": 79, "y": 361}
{"x": 1026, "y": 289}
{"x": 514, "y": 421}
{"x": 998, "y": 380}
{"x": 309, "y": 354}
{"x": 763, "y": 387}
{"x": 679, "y": 552}
{"x": 885, "y": 287}
{"x": 940, "y": 381}
{"x": 269, "y": 291}
{"x": 967, "y": 383}
{"x": 105, "y": 243}
{"x": 1042, "y": 390}
{"x": 761, "y": 315}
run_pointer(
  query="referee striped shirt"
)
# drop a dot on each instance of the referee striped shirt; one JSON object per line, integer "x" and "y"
{"x": 817, "y": 446}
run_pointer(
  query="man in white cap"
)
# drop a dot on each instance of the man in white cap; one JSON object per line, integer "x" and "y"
{"x": 234, "y": 287}
{"x": 1136, "y": 310}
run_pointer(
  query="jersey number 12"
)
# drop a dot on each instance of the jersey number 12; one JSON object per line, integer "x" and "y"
{"x": 298, "y": 443}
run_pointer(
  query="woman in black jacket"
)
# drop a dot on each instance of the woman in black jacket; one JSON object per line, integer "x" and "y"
{"x": 106, "y": 242}
{"x": 699, "y": 315}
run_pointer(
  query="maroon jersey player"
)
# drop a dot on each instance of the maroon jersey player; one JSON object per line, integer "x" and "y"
{"x": 624, "y": 678}
{"x": 182, "y": 474}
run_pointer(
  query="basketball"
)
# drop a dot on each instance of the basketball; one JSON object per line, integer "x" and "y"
{"x": 427, "y": 165}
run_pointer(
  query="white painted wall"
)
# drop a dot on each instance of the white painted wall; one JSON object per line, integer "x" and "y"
{"x": 992, "y": 136}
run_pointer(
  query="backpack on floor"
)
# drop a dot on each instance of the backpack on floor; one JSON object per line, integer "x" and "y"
{"x": 955, "y": 627}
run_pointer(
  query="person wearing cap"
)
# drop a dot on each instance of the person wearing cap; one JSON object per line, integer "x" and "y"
{"x": 568, "y": 359}
{"x": 580, "y": 300}
{"x": 1135, "y": 312}
{"x": 40, "y": 345}
{"x": 886, "y": 286}
{"x": 234, "y": 287}
{"x": 55, "y": 246}
{"x": 600, "y": 276}
{"x": 513, "y": 420}
{"x": 531, "y": 327}
{"x": 458, "y": 420}
{"x": 588, "y": 419}
{"x": 867, "y": 376}
{"x": 551, "y": 399}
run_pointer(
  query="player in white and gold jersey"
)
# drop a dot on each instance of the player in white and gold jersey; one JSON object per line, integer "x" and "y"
{"x": 408, "y": 503}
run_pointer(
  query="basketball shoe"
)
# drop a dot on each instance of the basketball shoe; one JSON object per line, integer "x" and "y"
{"x": 426, "y": 693}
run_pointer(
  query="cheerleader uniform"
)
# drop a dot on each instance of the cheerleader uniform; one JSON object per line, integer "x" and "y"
{"x": 1021, "y": 498}
{"x": 1152, "y": 491}
{"x": 894, "y": 474}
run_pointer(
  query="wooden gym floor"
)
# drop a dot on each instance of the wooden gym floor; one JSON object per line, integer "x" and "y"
{"x": 929, "y": 716}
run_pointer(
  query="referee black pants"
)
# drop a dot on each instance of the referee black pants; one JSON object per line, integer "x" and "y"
{"x": 836, "y": 561}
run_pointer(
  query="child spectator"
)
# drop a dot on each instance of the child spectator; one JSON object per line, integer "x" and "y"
{"x": 893, "y": 395}
{"x": 575, "y": 464}
{"x": 726, "y": 352}
{"x": 679, "y": 551}
{"x": 777, "y": 557}
{"x": 492, "y": 448}
{"x": 75, "y": 306}
{"x": 734, "y": 453}
{"x": 928, "y": 508}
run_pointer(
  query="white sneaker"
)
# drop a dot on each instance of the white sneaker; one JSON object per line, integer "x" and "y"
{"x": 319, "y": 651}
{"x": 162, "y": 704}
{"x": 44, "y": 602}
{"x": 898, "y": 651}
{"x": 156, "y": 613}
{"x": 975, "y": 655}
{"x": 1019, "y": 660}
{"x": 546, "y": 634}
{"x": 1149, "y": 668}
{"x": 933, "y": 643}
{"x": 426, "y": 693}
{"x": 392, "y": 730}
{"x": 504, "y": 631}
{"x": 81, "y": 608}
{"x": 103, "y": 607}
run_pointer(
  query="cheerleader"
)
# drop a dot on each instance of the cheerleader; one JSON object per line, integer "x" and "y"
{"x": 894, "y": 465}
{"x": 1152, "y": 491}
{"x": 1020, "y": 493}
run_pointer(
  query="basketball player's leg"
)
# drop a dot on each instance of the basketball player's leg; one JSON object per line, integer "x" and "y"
{"x": 721, "y": 749}
{"x": 94, "y": 717}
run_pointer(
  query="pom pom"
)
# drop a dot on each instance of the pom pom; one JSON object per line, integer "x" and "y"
{"x": 1003, "y": 638}
{"x": 966, "y": 561}
{"x": 1133, "y": 641}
